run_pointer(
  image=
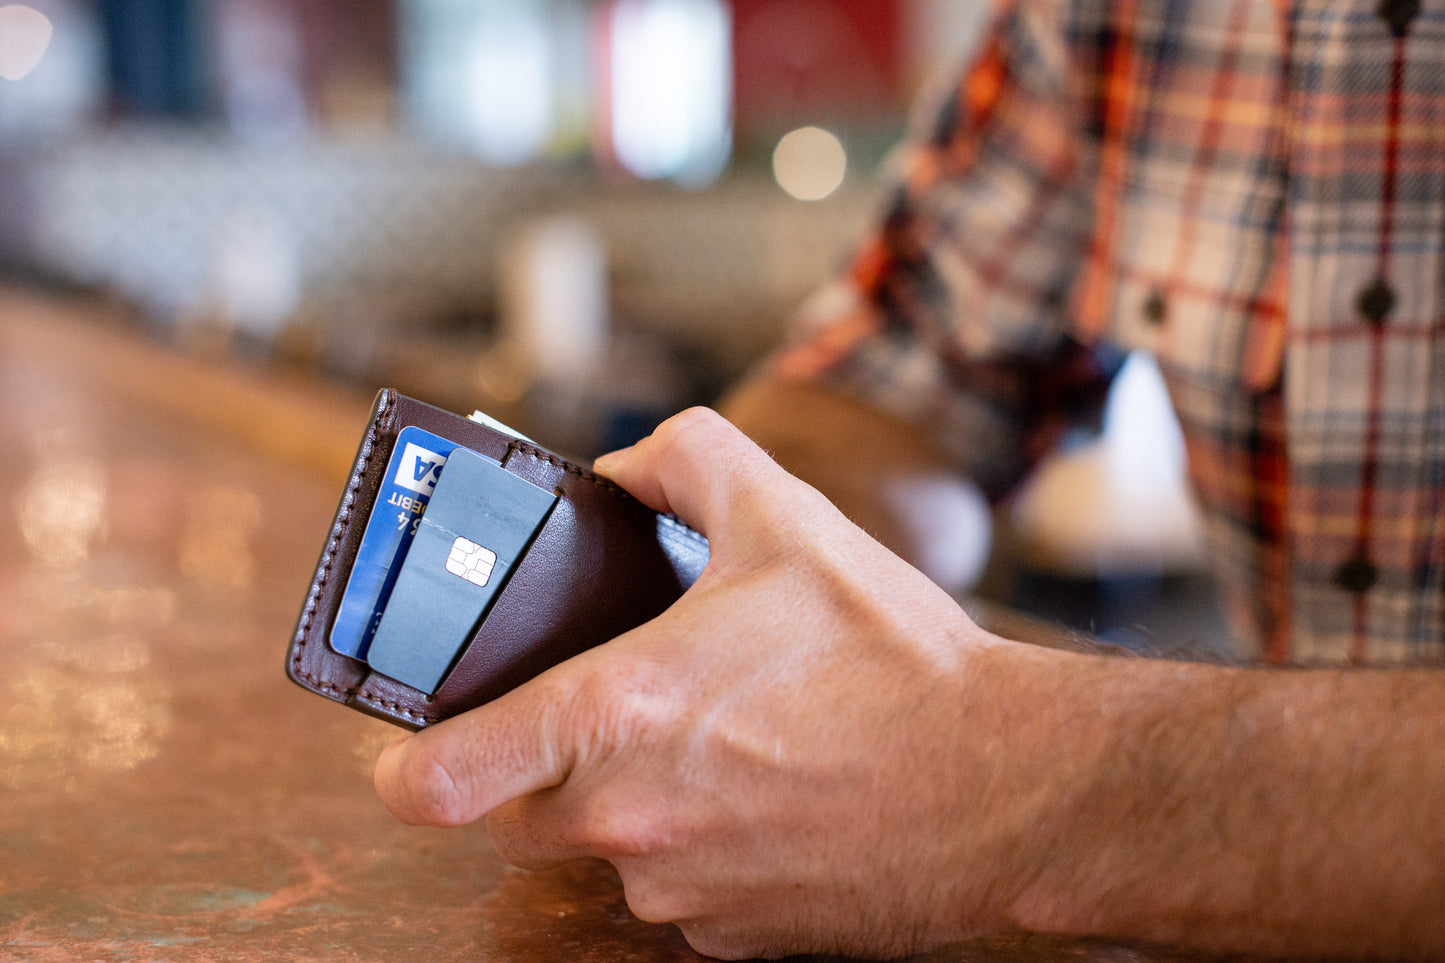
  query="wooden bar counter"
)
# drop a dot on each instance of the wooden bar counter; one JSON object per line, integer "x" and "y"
{"x": 165, "y": 792}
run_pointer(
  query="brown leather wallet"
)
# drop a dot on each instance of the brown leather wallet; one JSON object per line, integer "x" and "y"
{"x": 601, "y": 564}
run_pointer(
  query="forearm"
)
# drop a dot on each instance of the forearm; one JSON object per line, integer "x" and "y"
{"x": 1240, "y": 810}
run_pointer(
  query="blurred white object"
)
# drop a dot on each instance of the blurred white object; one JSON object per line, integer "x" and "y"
{"x": 554, "y": 299}
{"x": 509, "y": 88}
{"x": 671, "y": 70}
{"x": 260, "y": 64}
{"x": 489, "y": 75}
{"x": 952, "y": 524}
{"x": 255, "y": 279}
{"x": 1121, "y": 504}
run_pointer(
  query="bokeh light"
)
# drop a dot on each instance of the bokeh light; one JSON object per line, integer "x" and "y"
{"x": 809, "y": 163}
{"x": 24, "y": 37}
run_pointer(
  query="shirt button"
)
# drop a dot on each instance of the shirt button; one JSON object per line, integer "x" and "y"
{"x": 1155, "y": 307}
{"x": 1357, "y": 575}
{"x": 1375, "y": 301}
{"x": 1398, "y": 14}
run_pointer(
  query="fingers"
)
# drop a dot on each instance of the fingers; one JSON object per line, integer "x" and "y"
{"x": 692, "y": 466}
{"x": 462, "y": 768}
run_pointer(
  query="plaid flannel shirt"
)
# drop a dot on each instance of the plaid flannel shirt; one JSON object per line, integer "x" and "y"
{"x": 1253, "y": 191}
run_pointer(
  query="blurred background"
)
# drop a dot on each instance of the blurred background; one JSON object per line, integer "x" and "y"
{"x": 577, "y": 215}
{"x": 471, "y": 199}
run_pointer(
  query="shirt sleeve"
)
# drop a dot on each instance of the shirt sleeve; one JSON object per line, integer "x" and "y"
{"x": 953, "y": 315}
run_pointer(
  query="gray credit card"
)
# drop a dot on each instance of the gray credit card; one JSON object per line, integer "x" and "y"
{"x": 478, "y": 525}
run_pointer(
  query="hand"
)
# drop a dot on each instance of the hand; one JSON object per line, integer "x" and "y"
{"x": 781, "y": 762}
{"x": 814, "y": 749}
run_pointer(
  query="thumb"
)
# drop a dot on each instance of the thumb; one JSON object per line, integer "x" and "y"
{"x": 462, "y": 768}
{"x": 695, "y": 465}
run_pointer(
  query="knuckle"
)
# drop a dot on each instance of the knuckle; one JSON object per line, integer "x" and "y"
{"x": 622, "y": 717}
{"x": 614, "y": 708}
{"x": 595, "y": 716}
{"x": 614, "y": 829}
{"x": 678, "y": 434}
{"x": 651, "y": 907}
{"x": 696, "y": 417}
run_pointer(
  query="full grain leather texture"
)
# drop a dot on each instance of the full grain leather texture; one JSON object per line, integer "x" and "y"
{"x": 602, "y": 564}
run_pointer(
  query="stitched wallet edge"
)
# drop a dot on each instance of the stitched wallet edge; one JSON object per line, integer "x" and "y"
{"x": 312, "y": 664}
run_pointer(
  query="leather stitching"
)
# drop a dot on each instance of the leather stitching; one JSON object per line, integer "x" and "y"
{"x": 541, "y": 454}
{"x": 343, "y": 521}
{"x": 329, "y": 557}
{"x": 395, "y": 707}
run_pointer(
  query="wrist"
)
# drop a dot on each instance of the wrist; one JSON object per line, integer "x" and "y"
{"x": 1076, "y": 787}
{"x": 1022, "y": 758}
{"x": 1135, "y": 831}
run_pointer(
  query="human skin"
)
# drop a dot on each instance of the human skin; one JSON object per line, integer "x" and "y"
{"x": 816, "y": 750}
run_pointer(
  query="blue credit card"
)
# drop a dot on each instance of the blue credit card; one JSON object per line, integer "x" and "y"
{"x": 411, "y": 476}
